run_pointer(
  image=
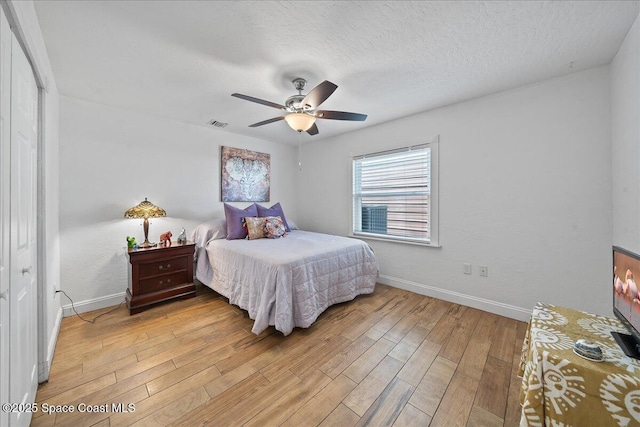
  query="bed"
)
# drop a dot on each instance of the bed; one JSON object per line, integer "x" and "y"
{"x": 286, "y": 282}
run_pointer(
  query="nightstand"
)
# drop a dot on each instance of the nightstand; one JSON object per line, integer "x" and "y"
{"x": 160, "y": 274}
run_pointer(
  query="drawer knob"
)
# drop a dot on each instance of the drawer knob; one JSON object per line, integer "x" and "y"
{"x": 162, "y": 282}
{"x": 162, "y": 267}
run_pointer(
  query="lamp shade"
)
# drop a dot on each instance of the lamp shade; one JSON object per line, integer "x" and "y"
{"x": 145, "y": 209}
{"x": 300, "y": 121}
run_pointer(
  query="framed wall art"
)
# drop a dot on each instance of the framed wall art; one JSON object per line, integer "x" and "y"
{"x": 246, "y": 175}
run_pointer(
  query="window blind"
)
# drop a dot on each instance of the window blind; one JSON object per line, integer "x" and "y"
{"x": 391, "y": 193}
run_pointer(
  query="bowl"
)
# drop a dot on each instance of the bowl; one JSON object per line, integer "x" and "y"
{"x": 588, "y": 350}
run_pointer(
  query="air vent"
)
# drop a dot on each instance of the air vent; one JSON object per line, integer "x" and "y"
{"x": 217, "y": 123}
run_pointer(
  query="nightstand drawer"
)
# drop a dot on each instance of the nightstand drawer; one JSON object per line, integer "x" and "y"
{"x": 158, "y": 274}
{"x": 163, "y": 267}
{"x": 165, "y": 281}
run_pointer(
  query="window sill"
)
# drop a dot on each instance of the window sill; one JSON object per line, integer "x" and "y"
{"x": 366, "y": 236}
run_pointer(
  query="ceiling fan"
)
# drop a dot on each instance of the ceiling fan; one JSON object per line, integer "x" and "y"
{"x": 301, "y": 110}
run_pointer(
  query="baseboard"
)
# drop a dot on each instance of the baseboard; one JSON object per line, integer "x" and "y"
{"x": 45, "y": 366}
{"x": 54, "y": 336}
{"x": 495, "y": 307}
{"x": 93, "y": 304}
{"x": 51, "y": 348}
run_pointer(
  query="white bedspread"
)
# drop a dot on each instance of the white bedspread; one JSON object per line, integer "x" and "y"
{"x": 289, "y": 282}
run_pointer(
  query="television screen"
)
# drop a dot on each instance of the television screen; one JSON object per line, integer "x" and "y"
{"x": 626, "y": 301}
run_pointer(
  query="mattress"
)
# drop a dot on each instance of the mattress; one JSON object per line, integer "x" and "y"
{"x": 287, "y": 282}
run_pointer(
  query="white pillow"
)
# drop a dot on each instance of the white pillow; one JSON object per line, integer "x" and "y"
{"x": 210, "y": 230}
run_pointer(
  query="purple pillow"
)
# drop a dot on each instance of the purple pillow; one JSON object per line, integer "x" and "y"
{"x": 275, "y": 210}
{"x": 234, "y": 216}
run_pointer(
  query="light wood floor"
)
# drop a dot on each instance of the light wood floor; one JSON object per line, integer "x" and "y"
{"x": 390, "y": 358}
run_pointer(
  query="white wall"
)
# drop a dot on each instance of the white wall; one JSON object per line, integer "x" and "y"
{"x": 111, "y": 159}
{"x": 50, "y": 183}
{"x": 525, "y": 189}
{"x": 527, "y": 178}
{"x": 625, "y": 139}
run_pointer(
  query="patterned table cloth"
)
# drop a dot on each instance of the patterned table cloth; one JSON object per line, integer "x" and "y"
{"x": 560, "y": 388}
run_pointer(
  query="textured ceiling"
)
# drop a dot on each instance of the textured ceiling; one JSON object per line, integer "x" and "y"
{"x": 183, "y": 59}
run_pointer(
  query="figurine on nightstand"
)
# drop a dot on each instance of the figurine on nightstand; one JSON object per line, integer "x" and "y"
{"x": 165, "y": 238}
{"x": 131, "y": 243}
{"x": 182, "y": 238}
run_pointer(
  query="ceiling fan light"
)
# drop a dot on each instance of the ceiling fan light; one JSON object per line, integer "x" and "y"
{"x": 299, "y": 121}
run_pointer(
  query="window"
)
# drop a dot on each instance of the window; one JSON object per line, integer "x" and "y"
{"x": 395, "y": 194}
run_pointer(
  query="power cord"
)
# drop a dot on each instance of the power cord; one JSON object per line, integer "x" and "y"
{"x": 82, "y": 318}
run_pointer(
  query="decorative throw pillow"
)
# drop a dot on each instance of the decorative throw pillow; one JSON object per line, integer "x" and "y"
{"x": 234, "y": 216}
{"x": 274, "y": 227}
{"x": 275, "y": 210}
{"x": 255, "y": 227}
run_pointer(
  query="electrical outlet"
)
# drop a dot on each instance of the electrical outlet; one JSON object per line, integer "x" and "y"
{"x": 484, "y": 271}
{"x": 55, "y": 291}
{"x": 466, "y": 268}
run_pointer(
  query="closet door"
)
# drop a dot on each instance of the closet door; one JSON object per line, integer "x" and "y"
{"x": 5, "y": 167}
{"x": 23, "y": 353}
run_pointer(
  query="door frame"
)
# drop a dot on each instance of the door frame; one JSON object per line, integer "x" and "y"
{"x": 41, "y": 252}
{"x": 25, "y": 37}
{"x": 5, "y": 196}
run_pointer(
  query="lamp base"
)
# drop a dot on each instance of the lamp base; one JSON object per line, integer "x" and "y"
{"x": 147, "y": 244}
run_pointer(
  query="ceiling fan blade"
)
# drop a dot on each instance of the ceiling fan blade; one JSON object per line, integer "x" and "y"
{"x": 318, "y": 95}
{"x": 340, "y": 115}
{"x": 313, "y": 130}
{"x": 258, "y": 100}
{"x": 266, "y": 122}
